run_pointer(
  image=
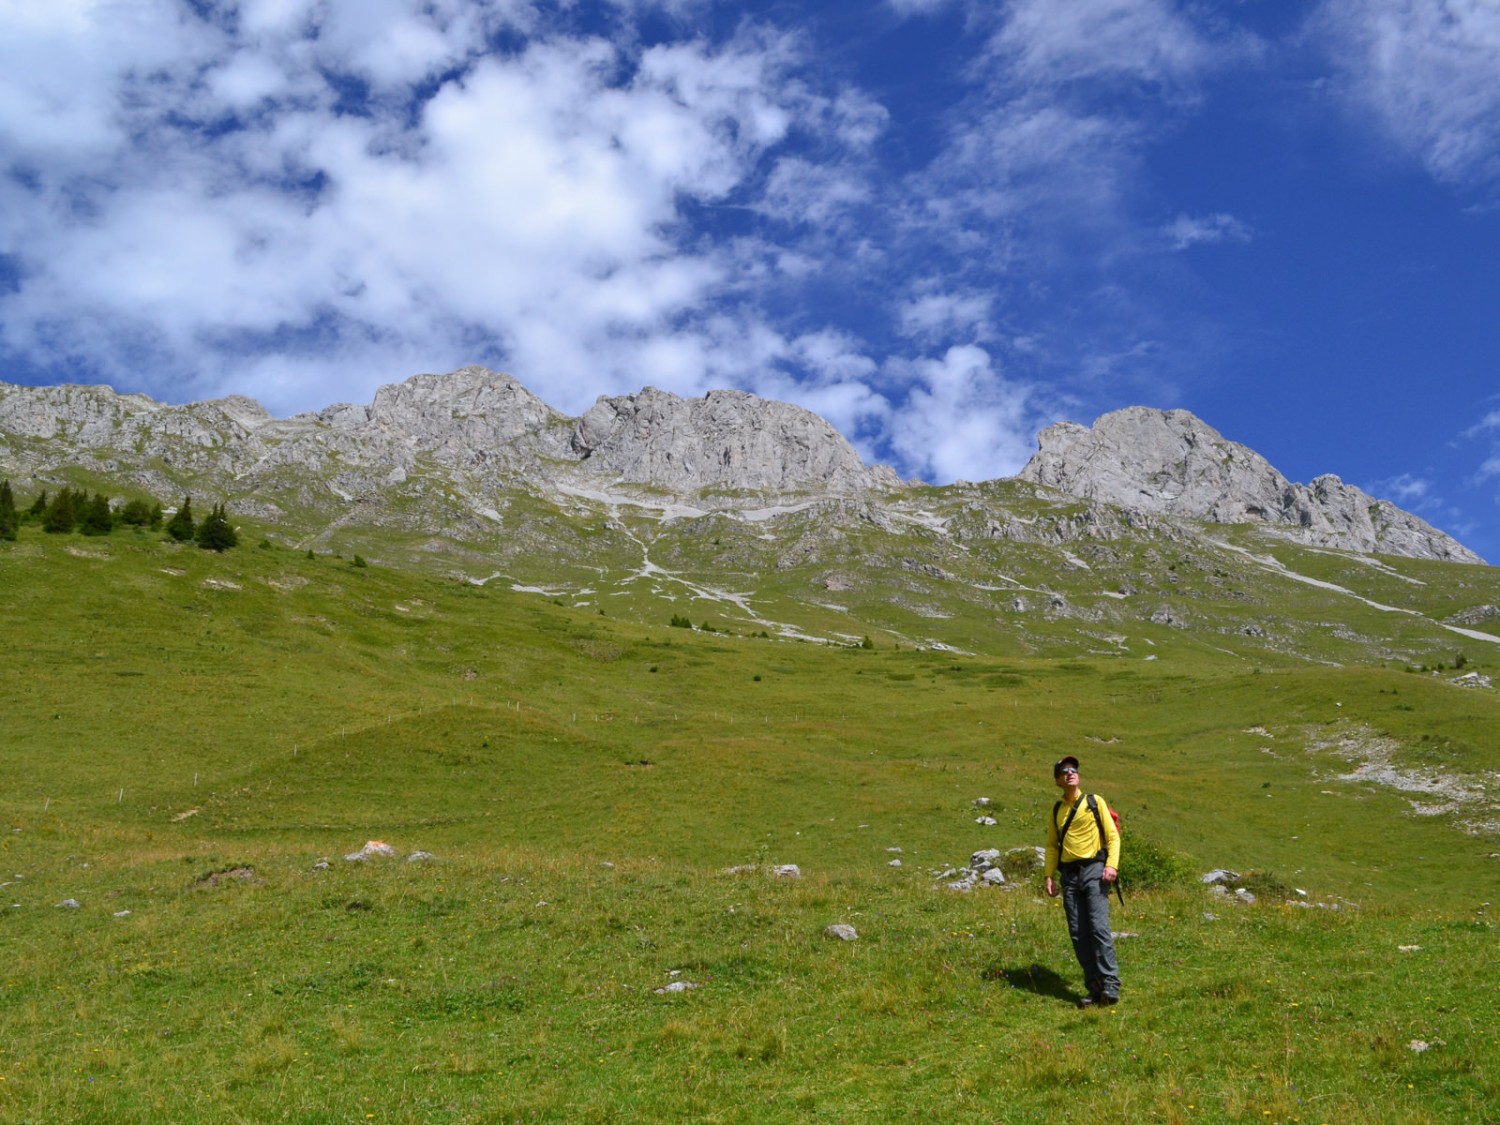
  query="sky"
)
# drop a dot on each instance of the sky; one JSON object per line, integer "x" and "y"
{"x": 941, "y": 224}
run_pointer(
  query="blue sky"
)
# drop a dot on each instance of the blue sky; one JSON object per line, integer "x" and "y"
{"x": 941, "y": 224}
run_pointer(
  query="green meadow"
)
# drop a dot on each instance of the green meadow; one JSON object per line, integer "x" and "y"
{"x": 192, "y": 743}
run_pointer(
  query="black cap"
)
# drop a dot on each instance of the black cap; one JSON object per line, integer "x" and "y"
{"x": 1067, "y": 760}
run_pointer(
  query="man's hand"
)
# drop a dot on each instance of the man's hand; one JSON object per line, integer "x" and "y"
{"x": 1110, "y": 875}
{"x": 1051, "y": 888}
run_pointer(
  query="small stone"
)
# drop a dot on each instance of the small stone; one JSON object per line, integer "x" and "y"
{"x": 894, "y": 863}
{"x": 843, "y": 931}
{"x": 67, "y": 904}
{"x": 788, "y": 871}
{"x": 985, "y": 820}
{"x": 676, "y": 986}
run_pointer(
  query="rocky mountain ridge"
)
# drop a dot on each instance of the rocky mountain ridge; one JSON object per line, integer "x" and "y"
{"x": 1172, "y": 463}
{"x": 474, "y": 433}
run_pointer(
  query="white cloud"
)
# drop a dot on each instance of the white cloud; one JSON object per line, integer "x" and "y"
{"x": 1405, "y": 490}
{"x": 906, "y": 8}
{"x": 1141, "y": 40}
{"x": 1428, "y": 73}
{"x": 961, "y": 416}
{"x": 930, "y": 317}
{"x": 527, "y": 211}
{"x": 800, "y": 191}
{"x": 1194, "y": 230}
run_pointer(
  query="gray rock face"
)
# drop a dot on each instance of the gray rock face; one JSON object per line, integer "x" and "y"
{"x": 437, "y": 454}
{"x": 484, "y": 425}
{"x": 1170, "y": 462}
{"x": 726, "y": 440}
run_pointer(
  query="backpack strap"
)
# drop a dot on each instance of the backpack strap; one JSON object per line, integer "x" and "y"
{"x": 1099, "y": 824}
{"x": 1062, "y": 833}
{"x": 1103, "y": 846}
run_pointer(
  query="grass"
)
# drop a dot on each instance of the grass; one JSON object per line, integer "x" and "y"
{"x": 187, "y": 735}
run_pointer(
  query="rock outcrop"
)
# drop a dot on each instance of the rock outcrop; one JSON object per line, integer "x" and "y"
{"x": 438, "y": 454}
{"x": 485, "y": 424}
{"x": 1170, "y": 462}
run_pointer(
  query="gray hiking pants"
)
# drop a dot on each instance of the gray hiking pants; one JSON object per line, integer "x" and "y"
{"x": 1085, "y": 898}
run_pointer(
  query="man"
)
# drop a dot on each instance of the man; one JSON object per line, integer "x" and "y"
{"x": 1083, "y": 852}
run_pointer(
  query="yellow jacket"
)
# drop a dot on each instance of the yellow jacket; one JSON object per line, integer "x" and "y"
{"x": 1083, "y": 835}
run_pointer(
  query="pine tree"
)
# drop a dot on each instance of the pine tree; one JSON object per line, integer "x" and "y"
{"x": 61, "y": 515}
{"x": 10, "y": 519}
{"x": 136, "y": 513}
{"x": 216, "y": 532}
{"x": 38, "y": 506}
{"x": 181, "y": 526}
{"x": 94, "y": 516}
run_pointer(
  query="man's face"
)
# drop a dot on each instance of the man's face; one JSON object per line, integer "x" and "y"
{"x": 1066, "y": 776}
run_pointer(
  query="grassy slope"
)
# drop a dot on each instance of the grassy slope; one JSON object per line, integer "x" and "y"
{"x": 293, "y": 708}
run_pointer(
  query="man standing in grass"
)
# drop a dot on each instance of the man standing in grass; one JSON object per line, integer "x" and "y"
{"x": 1083, "y": 852}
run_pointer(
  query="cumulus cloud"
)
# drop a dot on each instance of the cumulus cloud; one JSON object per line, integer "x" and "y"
{"x": 962, "y": 416}
{"x": 351, "y": 187}
{"x": 1427, "y": 73}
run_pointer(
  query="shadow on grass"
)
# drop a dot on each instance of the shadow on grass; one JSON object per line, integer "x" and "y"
{"x": 1034, "y": 978}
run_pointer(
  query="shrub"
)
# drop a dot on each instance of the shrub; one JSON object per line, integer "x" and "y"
{"x": 181, "y": 526}
{"x": 216, "y": 533}
{"x": 1263, "y": 884}
{"x": 1145, "y": 865}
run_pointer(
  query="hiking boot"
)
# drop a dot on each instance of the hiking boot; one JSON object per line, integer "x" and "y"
{"x": 1105, "y": 999}
{"x": 1086, "y": 1002}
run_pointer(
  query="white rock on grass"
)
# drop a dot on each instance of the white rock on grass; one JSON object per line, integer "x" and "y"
{"x": 985, "y": 820}
{"x": 67, "y": 904}
{"x": 894, "y": 863}
{"x": 788, "y": 871}
{"x": 1219, "y": 875}
{"x": 675, "y": 986}
{"x": 843, "y": 931}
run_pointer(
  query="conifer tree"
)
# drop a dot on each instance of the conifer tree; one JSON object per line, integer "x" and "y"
{"x": 61, "y": 515}
{"x": 10, "y": 519}
{"x": 136, "y": 513}
{"x": 38, "y": 506}
{"x": 181, "y": 526}
{"x": 94, "y": 516}
{"x": 216, "y": 533}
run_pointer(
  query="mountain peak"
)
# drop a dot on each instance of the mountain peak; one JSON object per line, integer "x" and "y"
{"x": 1172, "y": 462}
